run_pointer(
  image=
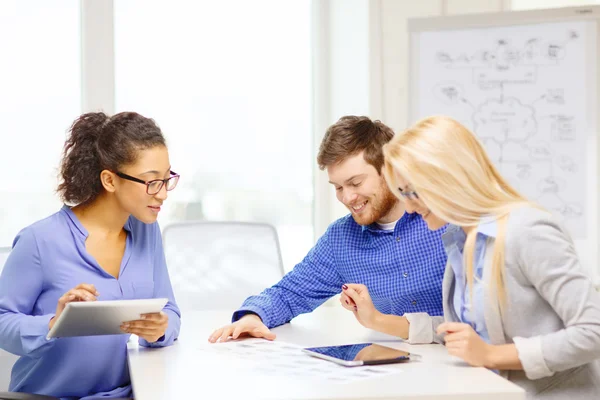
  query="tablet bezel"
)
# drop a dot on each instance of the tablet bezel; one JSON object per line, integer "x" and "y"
{"x": 114, "y": 311}
{"x": 357, "y": 363}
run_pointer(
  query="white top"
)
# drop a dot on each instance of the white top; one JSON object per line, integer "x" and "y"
{"x": 389, "y": 226}
{"x": 194, "y": 368}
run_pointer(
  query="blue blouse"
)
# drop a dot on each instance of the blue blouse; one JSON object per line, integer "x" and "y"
{"x": 454, "y": 242}
{"x": 48, "y": 259}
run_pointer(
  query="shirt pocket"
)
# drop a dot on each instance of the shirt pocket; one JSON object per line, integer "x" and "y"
{"x": 143, "y": 290}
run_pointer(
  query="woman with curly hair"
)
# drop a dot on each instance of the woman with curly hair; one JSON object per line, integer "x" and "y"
{"x": 103, "y": 244}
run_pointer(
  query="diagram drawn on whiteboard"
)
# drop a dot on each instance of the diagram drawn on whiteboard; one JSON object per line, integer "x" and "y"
{"x": 522, "y": 90}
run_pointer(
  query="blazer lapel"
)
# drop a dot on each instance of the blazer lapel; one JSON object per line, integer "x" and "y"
{"x": 448, "y": 285}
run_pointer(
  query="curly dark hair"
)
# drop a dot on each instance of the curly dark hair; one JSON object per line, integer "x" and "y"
{"x": 349, "y": 136}
{"x": 98, "y": 142}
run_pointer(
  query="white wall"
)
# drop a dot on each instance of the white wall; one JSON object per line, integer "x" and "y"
{"x": 97, "y": 56}
{"x": 342, "y": 83}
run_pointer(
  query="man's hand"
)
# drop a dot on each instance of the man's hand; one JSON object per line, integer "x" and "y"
{"x": 248, "y": 325}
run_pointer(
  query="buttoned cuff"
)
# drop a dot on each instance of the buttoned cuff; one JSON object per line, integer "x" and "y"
{"x": 532, "y": 358}
{"x": 168, "y": 338}
{"x": 34, "y": 332}
{"x": 420, "y": 328}
{"x": 250, "y": 310}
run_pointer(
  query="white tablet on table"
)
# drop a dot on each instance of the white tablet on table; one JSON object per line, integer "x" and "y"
{"x": 90, "y": 318}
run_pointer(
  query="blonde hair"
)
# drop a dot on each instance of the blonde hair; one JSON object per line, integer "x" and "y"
{"x": 450, "y": 170}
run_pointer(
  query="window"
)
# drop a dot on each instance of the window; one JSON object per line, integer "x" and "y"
{"x": 40, "y": 84}
{"x": 230, "y": 85}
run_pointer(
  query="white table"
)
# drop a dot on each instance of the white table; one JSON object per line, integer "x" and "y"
{"x": 186, "y": 370}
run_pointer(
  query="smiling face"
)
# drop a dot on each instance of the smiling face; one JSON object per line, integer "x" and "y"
{"x": 362, "y": 190}
{"x": 132, "y": 196}
{"x": 414, "y": 204}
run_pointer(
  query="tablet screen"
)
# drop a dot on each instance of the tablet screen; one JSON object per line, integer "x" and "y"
{"x": 361, "y": 352}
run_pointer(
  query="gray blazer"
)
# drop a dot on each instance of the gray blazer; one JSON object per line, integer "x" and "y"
{"x": 552, "y": 313}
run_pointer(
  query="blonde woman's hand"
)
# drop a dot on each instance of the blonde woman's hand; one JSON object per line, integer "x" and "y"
{"x": 81, "y": 292}
{"x": 356, "y": 298}
{"x": 346, "y": 301}
{"x": 248, "y": 325}
{"x": 150, "y": 327}
{"x": 462, "y": 341}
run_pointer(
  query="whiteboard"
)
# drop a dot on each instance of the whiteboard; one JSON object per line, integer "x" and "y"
{"x": 525, "y": 83}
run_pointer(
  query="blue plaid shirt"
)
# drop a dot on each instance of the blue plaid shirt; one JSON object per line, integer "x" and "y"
{"x": 402, "y": 269}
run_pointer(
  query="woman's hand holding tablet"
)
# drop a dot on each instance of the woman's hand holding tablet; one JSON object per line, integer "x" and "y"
{"x": 150, "y": 327}
{"x": 82, "y": 292}
{"x": 90, "y": 318}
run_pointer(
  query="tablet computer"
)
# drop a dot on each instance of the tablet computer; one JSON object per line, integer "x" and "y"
{"x": 353, "y": 355}
{"x": 90, "y": 318}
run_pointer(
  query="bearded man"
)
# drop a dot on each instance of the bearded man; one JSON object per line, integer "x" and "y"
{"x": 377, "y": 246}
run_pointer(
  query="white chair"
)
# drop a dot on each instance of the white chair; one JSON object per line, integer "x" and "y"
{"x": 4, "y": 252}
{"x": 216, "y": 265}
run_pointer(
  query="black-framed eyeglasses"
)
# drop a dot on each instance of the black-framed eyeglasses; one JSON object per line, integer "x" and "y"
{"x": 408, "y": 195}
{"x": 154, "y": 186}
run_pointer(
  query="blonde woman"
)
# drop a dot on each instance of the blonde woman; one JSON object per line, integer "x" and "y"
{"x": 515, "y": 296}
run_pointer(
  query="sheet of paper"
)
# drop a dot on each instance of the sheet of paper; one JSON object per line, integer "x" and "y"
{"x": 285, "y": 360}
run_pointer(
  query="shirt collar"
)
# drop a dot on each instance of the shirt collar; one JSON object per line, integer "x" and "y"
{"x": 375, "y": 228}
{"x": 488, "y": 227}
{"x": 74, "y": 220}
{"x": 79, "y": 226}
{"x": 454, "y": 234}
